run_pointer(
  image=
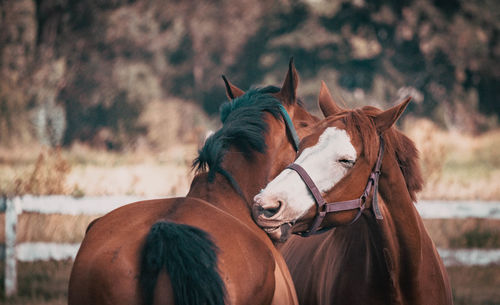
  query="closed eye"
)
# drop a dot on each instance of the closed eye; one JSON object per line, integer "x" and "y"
{"x": 347, "y": 162}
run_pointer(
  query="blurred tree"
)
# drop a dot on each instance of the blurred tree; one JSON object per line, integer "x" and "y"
{"x": 77, "y": 70}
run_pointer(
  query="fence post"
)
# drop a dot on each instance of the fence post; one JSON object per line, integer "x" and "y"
{"x": 11, "y": 210}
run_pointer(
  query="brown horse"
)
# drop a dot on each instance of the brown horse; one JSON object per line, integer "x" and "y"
{"x": 203, "y": 248}
{"x": 378, "y": 251}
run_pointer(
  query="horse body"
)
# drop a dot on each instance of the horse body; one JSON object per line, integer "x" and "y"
{"x": 113, "y": 267}
{"x": 373, "y": 260}
{"x": 125, "y": 254}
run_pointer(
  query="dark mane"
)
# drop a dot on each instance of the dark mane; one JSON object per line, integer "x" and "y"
{"x": 407, "y": 156}
{"x": 243, "y": 127}
{"x": 404, "y": 148}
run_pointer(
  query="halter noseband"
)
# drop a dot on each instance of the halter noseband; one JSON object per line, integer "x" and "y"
{"x": 324, "y": 208}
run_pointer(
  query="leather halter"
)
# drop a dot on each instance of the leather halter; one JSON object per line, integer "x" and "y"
{"x": 290, "y": 127}
{"x": 324, "y": 208}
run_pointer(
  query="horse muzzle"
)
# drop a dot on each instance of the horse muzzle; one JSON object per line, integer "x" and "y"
{"x": 268, "y": 213}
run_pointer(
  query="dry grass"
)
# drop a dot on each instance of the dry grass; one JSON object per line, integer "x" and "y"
{"x": 144, "y": 174}
{"x": 34, "y": 227}
{"x": 40, "y": 283}
{"x": 48, "y": 176}
{"x": 81, "y": 171}
{"x": 464, "y": 233}
{"x": 475, "y": 285}
{"x": 457, "y": 166}
{"x": 33, "y": 170}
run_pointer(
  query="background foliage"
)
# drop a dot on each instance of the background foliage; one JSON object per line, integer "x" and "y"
{"x": 87, "y": 70}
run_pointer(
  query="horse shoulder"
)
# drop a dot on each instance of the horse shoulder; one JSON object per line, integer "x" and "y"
{"x": 105, "y": 267}
{"x": 284, "y": 291}
{"x": 246, "y": 261}
{"x": 284, "y": 288}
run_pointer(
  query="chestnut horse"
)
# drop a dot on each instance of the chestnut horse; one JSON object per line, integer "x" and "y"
{"x": 377, "y": 250}
{"x": 203, "y": 248}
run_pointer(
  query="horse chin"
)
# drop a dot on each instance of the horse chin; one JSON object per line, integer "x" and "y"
{"x": 280, "y": 233}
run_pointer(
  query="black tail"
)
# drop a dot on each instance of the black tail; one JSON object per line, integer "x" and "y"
{"x": 190, "y": 259}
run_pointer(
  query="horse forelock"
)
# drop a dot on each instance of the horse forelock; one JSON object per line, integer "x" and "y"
{"x": 356, "y": 120}
{"x": 243, "y": 127}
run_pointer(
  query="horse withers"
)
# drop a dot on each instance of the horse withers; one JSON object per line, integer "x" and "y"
{"x": 203, "y": 248}
{"x": 355, "y": 180}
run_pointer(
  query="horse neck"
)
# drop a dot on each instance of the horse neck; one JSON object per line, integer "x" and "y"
{"x": 345, "y": 264}
{"x": 410, "y": 254}
{"x": 250, "y": 175}
{"x": 350, "y": 264}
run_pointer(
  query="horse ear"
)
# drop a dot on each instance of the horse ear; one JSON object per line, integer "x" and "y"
{"x": 326, "y": 102}
{"x": 386, "y": 119}
{"x": 232, "y": 91}
{"x": 288, "y": 92}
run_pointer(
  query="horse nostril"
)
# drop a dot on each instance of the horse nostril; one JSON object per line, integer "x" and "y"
{"x": 270, "y": 212}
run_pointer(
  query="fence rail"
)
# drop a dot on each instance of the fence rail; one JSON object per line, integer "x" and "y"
{"x": 430, "y": 209}
{"x": 101, "y": 205}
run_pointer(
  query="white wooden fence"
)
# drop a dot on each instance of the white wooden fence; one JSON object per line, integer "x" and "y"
{"x": 10, "y": 245}
{"x": 101, "y": 205}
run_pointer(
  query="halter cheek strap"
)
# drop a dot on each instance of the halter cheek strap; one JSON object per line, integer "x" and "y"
{"x": 313, "y": 189}
{"x": 323, "y": 208}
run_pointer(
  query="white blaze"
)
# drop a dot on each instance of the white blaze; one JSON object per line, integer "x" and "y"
{"x": 321, "y": 162}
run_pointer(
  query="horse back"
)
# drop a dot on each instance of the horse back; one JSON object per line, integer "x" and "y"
{"x": 107, "y": 267}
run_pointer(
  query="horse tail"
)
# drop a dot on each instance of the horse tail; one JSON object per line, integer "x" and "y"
{"x": 190, "y": 258}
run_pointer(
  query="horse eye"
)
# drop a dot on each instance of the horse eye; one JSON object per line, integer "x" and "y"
{"x": 346, "y": 162}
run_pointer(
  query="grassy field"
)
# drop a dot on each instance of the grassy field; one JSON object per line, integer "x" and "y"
{"x": 475, "y": 285}
{"x": 81, "y": 171}
{"x": 455, "y": 166}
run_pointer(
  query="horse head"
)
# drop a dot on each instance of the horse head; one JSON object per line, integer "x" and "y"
{"x": 340, "y": 159}
{"x": 285, "y": 117}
